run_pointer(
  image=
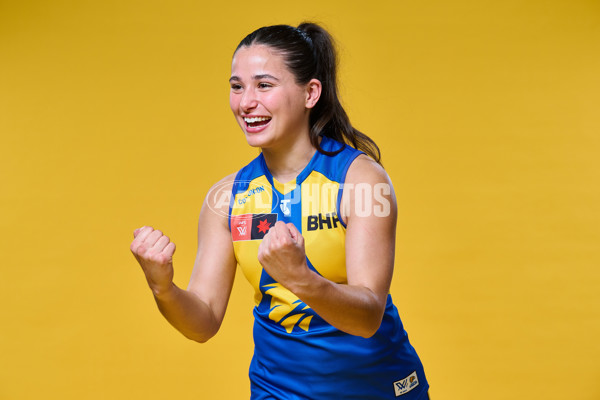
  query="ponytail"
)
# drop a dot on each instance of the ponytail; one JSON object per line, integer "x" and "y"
{"x": 309, "y": 53}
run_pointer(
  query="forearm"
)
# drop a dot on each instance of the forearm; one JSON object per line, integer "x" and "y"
{"x": 354, "y": 309}
{"x": 187, "y": 313}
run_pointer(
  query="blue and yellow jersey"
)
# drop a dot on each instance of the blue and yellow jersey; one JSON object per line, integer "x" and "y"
{"x": 298, "y": 355}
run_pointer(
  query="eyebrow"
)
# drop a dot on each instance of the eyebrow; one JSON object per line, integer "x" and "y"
{"x": 255, "y": 77}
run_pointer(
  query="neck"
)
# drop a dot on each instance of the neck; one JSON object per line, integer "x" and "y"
{"x": 285, "y": 165}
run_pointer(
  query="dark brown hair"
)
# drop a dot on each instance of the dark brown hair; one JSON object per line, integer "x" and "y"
{"x": 309, "y": 53}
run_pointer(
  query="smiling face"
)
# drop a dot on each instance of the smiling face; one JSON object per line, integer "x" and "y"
{"x": 270, "y": 107}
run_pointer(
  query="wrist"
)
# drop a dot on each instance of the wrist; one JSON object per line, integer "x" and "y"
{"x": 306, "y": 284}
{"x": 163, "y": 292}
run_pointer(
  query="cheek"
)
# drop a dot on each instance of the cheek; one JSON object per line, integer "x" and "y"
{"x": 296, "y": 107}
{"x": 234, "y": 102}
{"x": 269, "y": 100}
{"x": 295, "y": 100}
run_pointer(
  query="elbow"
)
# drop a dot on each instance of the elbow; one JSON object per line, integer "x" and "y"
{"x": 201, "y": 332}
{"x": 372, "y": 324}
{"x": 199, "y": 337}
{"x": 369, "y": 331}
{"x": 368, "y": 335}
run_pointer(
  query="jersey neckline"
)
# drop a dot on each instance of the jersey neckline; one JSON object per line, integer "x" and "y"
{"x": 326, "y": 144}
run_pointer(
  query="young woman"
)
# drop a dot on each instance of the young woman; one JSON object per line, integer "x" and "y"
{"x": 311, "y": 222}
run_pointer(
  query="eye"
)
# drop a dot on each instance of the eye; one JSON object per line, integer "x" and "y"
{"x": 236, "y": 87}
{"x": 264, "y": 85}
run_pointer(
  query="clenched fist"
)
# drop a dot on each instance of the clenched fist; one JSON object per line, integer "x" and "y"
{"x": 154, "y": 251}
{"x": 282, "y": 254}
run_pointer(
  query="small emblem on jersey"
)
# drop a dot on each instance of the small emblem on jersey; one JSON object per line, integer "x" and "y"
{"x": 407, "y": 384}
{"x": 285, "y": 208}
{"x": 251, "y": 226}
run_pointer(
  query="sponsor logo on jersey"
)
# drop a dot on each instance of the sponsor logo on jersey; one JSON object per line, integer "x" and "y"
{"x": 285, "y": 208}
{"x": 407, "y": 384}
{"x": 249, "y": 193}
{"x": 251, "y": 226}
{"x": 320, "y": 221}
{"x": 227, "y": 195}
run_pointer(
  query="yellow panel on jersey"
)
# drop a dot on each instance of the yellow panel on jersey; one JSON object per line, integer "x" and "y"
{"x": 284, "y": 188}
{"x": 255, "y": 199}
{"x": 324, "y": 235}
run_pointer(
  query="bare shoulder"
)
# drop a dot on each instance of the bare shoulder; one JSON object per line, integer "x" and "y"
{"x": 366, "y": 170}
{"x": 368, "y": 192}
{"x": 218, "y": 198}
{"x": 218, "y": 190}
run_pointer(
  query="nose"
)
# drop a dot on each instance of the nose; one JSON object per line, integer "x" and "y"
{"x": 249, "y": 100}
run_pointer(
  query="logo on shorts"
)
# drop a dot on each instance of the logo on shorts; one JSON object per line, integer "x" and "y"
{"x": 407, "y": 384}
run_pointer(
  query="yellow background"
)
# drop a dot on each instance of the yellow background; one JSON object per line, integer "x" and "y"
{"x": 114, "y": 114}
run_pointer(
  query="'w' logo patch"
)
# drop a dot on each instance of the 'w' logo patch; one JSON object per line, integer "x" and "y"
{"x": 407, "y": 384}
{"x": 251, "y": 226}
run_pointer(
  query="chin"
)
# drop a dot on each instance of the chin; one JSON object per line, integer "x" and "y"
{"x": 258, "y": 139}
{"x": 254, "y": 141}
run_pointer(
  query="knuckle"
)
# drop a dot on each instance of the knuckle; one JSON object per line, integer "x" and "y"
{"x": 152, "y": 255}
{"x": 170, "y": 247}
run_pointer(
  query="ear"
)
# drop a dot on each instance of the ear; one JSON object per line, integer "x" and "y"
{"x": 313, "y": 93}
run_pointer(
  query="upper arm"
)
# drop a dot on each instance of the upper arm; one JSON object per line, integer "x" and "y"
{"x": 215, "y": 265}
{"x": 369, "y": 210}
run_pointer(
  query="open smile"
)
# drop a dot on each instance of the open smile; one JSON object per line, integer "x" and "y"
{"x": 256, "y": 124}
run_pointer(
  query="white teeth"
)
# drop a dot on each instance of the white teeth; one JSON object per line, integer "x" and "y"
{"x": 255, "y": 119}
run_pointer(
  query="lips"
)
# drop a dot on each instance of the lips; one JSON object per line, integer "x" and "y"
{"x": 256, "y": 124}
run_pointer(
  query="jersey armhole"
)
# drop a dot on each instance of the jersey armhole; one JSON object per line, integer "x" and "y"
{"x": 342, "y": 183}
{"x": 232, "y": 199}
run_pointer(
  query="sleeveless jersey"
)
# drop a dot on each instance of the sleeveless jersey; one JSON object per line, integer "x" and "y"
{"x": 297, "y": 354}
